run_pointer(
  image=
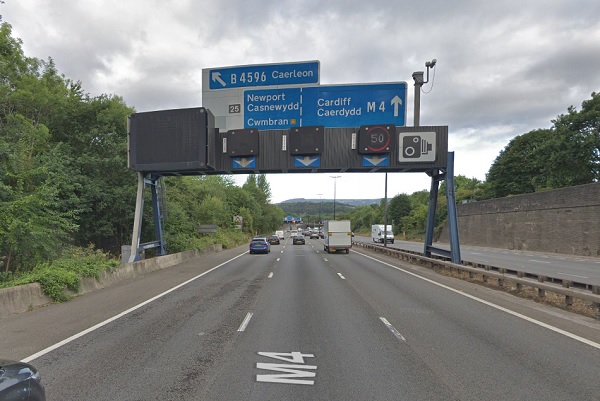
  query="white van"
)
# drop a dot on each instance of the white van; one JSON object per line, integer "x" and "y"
{"x": 378, "y": 234}
{"x": 279, "y": 233}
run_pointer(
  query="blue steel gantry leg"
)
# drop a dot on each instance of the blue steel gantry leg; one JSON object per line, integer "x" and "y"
{"x": 452, "y": 212}
{"x": 436, "y": 177}
{"x": 159, "y": 243}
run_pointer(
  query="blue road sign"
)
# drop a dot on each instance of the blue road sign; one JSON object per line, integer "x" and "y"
{"x": 337, "y": 106}
{"x": 333, "y": 106}
{"x": 272, "y": 108}
{"x": 301, "y": 73}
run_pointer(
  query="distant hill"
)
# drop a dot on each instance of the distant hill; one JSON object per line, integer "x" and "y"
{"x": 350, "y": 202}
{"x": 322, "y": 207}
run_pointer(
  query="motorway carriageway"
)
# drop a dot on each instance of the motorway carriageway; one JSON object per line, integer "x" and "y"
{"x": 301, "y": 324}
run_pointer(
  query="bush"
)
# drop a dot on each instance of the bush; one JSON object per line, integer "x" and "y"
{"x": 64, "y": 273}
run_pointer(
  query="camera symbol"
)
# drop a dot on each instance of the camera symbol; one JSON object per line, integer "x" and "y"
{"x": 414, "y": 146}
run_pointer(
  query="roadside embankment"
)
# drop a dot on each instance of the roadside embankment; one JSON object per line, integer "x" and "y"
{"x": 14, "y": 300}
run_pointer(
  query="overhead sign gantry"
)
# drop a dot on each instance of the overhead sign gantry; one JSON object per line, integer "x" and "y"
{"x": 276, "y": 118}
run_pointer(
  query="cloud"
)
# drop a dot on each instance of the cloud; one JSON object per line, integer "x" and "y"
{"x": 504, "y": 68}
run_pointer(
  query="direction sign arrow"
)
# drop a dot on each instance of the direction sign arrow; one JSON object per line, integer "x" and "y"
{"x": 244, "y": 162}
{"x": 396, "y": 102}
{"x": 307, "y": 161}
{"x": 375, "y": 161}
{"x": 216, "y": 76}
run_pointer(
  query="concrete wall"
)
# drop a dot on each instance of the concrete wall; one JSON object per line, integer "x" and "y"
{"x": 563, "y": 221}
{"x": 20, "y": 299}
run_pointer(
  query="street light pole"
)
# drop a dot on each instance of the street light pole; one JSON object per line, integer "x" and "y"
{"x": 320, "y": 202}
{"x": 335, "y": 177}
{"x": 418, "y": 78}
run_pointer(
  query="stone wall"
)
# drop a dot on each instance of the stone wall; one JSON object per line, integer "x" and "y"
{"x": 565, "y": 220}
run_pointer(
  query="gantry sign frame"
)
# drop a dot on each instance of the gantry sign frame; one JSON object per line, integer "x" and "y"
{"x": 185, "y": 142}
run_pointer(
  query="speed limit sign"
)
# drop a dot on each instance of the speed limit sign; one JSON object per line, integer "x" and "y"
{"x": 376, "y": 138}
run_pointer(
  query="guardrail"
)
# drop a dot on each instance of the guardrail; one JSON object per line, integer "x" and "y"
{"x": 569, "y": 289}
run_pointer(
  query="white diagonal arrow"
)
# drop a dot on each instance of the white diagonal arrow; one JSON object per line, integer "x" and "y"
{"x": 244, "y": 161}
{"x": 307, "y": 160}
{"x": 396, "y": 101}
{"x": 375, "y": 160}
{"x": 216, "y": 76}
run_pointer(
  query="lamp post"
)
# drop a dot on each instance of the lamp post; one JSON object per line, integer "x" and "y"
{"x": 418, "y": 78}
{"x": 320, "y": 201}
{"x": 335, "y": 177}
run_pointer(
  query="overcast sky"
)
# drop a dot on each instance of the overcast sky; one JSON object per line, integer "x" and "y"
{"x": 503, "y": 67}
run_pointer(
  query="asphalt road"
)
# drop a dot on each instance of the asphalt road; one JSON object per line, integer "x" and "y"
{"x": 569, "y": 267}
{"x": 300, "y": 324}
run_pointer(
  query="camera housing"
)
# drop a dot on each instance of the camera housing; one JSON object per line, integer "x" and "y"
{"x": 417, "y": 147}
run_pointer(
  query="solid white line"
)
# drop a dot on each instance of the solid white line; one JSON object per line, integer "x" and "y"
{"x": 245, "y": 322}
{"x": 538, "y": 261}
{"x": 342, "y": 277}
{"x": 572, "y": 275}
{"x": 501, "y": 308}
{"x": 270, "y": 275}
{"x": 393, "y": 329}
{"x": 120, "y": 315}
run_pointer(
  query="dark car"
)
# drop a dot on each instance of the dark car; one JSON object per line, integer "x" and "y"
{"x": 20, "y": 381}
{"x": 260, "y": 245}
{"x": 299, "y": 239}
{"x": 273, "y": 239}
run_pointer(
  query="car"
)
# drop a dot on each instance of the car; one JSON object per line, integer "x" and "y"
{"x": 273, "y": 239}
{"x": 299, "y": 240}
{"x": 20, "y": 381}
{"x": 306, "y": 232}
{"x": 314, "y": 234}
{"x": 259, "y": 245}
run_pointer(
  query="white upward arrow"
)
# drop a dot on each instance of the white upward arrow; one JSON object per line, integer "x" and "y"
{"x": 396, "y": 101}
{"x": 216, "y": 76}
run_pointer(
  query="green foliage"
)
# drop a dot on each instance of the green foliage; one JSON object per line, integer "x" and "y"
{"x": 63, "y": 273}
{"x": 64, "y": 180}
{"x": 566, "y": 154}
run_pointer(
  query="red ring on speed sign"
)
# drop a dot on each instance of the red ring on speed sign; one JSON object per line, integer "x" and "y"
{"x": 387, "y": 143}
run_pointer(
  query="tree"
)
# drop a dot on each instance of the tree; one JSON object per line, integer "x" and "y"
{"x": 566, "y": 154}
{"x": 520, "y": 167}
{"x": 33, "y": 228}
{"x": 398, "y": 208}
{"x": 574, "y": 155}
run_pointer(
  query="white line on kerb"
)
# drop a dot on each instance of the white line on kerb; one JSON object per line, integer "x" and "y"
{"x": 342, "y": 277}
{"x": 572, "y": 275}
{"x": 245, "y": 322}
{"x": 393, "y": 329}
{"x": 503, "y": 309}
{"x": 120, "y": 315}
